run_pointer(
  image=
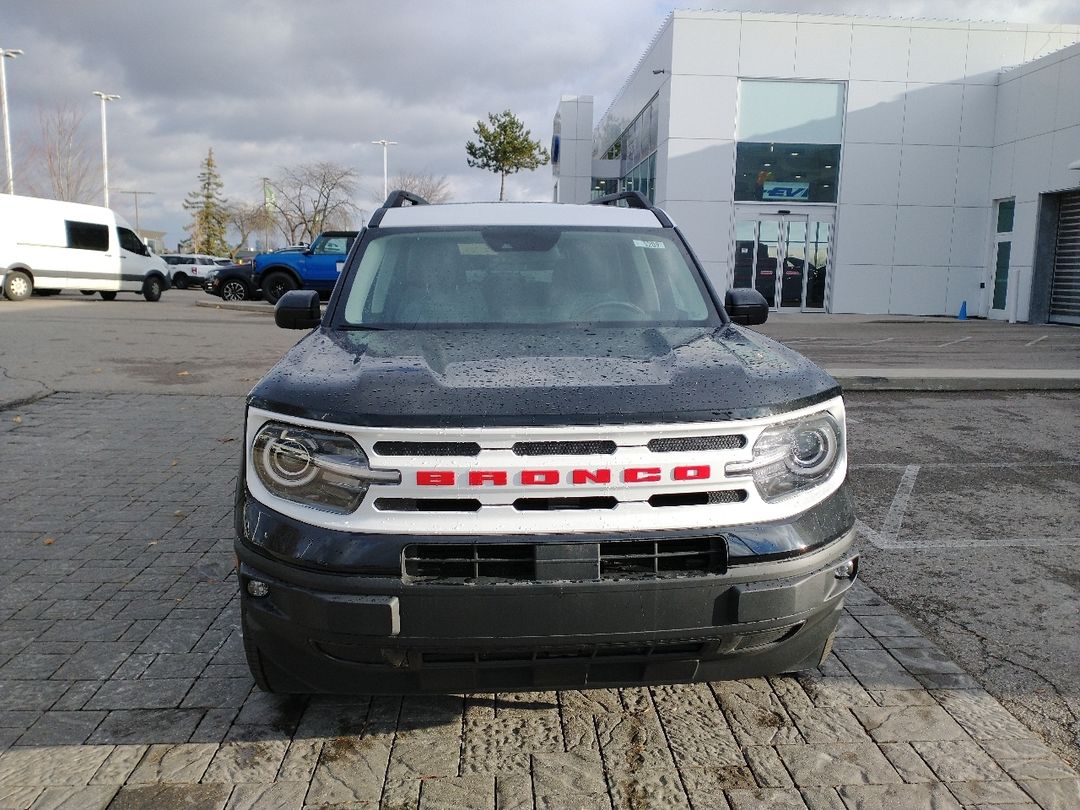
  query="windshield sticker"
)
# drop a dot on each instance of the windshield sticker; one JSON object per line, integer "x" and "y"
{"x": 651, "y": 244}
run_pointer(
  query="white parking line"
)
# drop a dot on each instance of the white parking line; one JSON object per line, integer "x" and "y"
{"x": 890, "y": 530}
{"x": 1036, "y": 340}
{"x": 954, "y": 342}
{"x": 888, "y": 538}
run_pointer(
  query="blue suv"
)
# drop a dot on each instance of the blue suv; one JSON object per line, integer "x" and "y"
{"x": 316, "y": 268}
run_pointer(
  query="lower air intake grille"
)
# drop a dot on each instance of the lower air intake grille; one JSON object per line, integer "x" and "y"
{"x": 681, "y": 649}
{"x": 658, "y": 558}
{"x": 461, "y": 563}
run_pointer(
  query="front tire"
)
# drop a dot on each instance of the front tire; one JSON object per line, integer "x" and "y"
{"x": 108, "y": 296}
{"x": 180, "y": 281}
{"x": 276, "y": 285}
{"x": 18, "y": 286}
{"x": 234, "y": 290}
{"x": 151, "y": 289}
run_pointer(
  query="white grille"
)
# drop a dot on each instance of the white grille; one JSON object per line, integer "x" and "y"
{"x": 564, "y": 491}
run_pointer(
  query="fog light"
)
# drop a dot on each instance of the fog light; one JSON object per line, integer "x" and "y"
{"x": 845, "y": 570}
{"x": 258, "y": 589}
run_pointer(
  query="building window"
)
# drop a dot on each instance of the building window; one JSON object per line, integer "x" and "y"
{"x": 635, "y": 149}
{"x": 788, "y": 141}
{"x": 1006, "y": 209}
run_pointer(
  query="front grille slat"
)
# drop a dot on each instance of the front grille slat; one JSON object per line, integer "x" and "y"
{"x": 458, "y": 563}
{"x": 427, "y": 448}
{"x": 683, "y": 444}
{"x": 599, "y": 447}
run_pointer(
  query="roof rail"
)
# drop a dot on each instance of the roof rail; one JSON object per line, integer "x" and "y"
{"x": 633, "y": 199}
{"x": 397, "y": 199}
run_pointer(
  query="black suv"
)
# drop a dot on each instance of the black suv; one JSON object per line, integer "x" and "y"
{"x": 529, "y": 447}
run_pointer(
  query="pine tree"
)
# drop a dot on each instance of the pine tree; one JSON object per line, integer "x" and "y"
{"x": 504, "y": 146}
{"x": 209, "y": 213}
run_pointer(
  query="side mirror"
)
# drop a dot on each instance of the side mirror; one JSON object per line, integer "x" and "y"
{"x": 746, "y": 307}
{"x": 298, "y": 309}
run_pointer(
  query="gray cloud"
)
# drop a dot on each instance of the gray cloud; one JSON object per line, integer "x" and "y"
{"x": 274, "y": 83}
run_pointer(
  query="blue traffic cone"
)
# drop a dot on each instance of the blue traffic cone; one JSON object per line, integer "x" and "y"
{"x": 962, "y": 316}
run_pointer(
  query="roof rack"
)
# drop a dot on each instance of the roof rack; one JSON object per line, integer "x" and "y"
{"x": 633, "y": 199}
{"x": 397, "y": 199}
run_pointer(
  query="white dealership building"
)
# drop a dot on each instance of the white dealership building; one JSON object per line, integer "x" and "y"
{"x": 853, "y": 164}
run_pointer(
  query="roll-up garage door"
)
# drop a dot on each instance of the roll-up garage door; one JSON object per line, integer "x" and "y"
{"x": 1065, "y": 293}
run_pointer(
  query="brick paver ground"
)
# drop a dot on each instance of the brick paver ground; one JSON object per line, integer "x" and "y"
{"x": 122, "y": 682}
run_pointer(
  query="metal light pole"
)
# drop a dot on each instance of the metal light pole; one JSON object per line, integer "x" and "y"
{"x": 7, "y": 53}
{"x": 385, "y": 144}
{"x": 105, "y": 142}
{"x": 136, "y": 195}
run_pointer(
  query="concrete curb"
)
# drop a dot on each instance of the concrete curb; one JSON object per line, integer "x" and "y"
{"x": 256, "y": 307}
{"x": 935, "y": 379}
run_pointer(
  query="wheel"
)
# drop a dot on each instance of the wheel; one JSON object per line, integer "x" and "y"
{"x": 151, "y": 288}
{"x": 108, "y": 295}
{"x": 180, "y": 281}
{"x": 234, "y": 290}
{"x": 87, "y": 292}
{"x": 18, "y": 286}
{"x": 276, "y": 285}
{"x": 625, "y": 306}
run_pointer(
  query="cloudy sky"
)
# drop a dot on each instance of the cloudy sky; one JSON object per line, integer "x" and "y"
{"x": 271, "y": 83}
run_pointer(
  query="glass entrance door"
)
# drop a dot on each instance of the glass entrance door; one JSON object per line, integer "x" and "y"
{"x": 784, "y": 256}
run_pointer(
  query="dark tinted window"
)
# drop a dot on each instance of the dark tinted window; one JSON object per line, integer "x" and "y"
{"x": 130, "y": 242}
{"x": 87, "y": 235}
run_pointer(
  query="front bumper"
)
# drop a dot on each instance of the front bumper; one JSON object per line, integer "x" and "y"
{"x": 356, "y": 632}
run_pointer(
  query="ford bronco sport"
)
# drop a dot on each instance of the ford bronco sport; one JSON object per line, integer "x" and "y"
{"x": 528, "y": 447}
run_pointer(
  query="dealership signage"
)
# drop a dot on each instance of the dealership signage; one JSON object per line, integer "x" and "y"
{"x": 773, "y": 190}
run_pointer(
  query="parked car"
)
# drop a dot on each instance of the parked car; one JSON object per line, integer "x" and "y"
{"x": 191, "y": 268}
{"x": 529, "y": 446}
{"x": 49, "y": 245}
{"x": 232, "y": 283}
{"x": 313, "y": 268}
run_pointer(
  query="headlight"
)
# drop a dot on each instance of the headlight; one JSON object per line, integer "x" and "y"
{"x": 314, "y": 467}
{"x": 794, "y": 456}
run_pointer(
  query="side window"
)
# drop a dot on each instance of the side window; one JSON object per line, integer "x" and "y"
{"x": 87, "y": 235}
{"x": 130, "y": 242}
{"x": 333, "y": 244}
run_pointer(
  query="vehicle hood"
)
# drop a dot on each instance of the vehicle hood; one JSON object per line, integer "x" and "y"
{"x": 485, "y": 377}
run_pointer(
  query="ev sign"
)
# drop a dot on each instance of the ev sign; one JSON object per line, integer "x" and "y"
{"x": 785, "y": 191}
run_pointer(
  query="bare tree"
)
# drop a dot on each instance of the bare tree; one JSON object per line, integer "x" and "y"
{"x": 309, "y": 199}
{"x": 63, "y": 168}
{"x": 246, "y": 219}
{"x": 432, "y": 187}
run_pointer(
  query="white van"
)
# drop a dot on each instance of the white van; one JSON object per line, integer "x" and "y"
{"x": 52, "y": 245}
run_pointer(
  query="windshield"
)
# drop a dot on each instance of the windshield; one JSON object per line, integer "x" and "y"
{"x": 534, "y": 275}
